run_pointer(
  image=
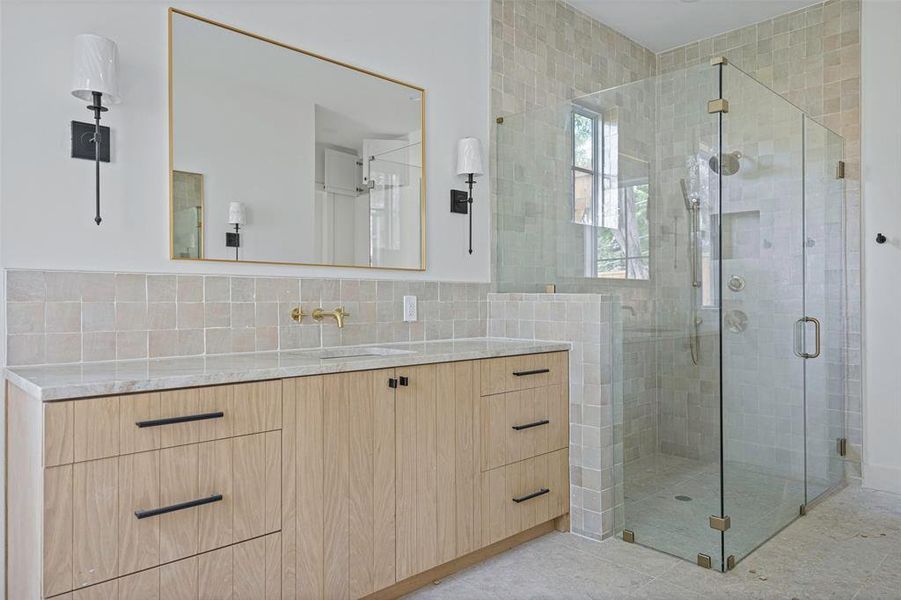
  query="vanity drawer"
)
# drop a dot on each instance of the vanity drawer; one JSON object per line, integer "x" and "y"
{"x": 523, "y": 424}
{"x": 250, "y": 570}
{"x": 110, "y": 517}
{"x": 524, "y": 494}
{"x": 513, "y": 373}
{"x": 80, "y": 430}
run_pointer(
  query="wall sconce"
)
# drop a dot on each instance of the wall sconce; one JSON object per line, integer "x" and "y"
{"x": 236, "y": 217}
{"x": 96, "y": 79}
{"x": 469, "y": 163}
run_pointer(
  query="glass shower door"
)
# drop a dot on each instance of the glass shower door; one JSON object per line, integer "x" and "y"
{"x": 824, "y": 281}
{"x": 761, "y": 263}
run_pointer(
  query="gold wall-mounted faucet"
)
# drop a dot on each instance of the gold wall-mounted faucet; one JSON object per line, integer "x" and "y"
{"x": 339, "y": 314}
{"x": 298, "y": 314}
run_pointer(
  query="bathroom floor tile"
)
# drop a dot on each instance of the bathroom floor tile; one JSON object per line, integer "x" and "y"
{"x": 847, "y": 547}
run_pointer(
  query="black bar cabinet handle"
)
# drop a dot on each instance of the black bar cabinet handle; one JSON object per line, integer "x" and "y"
{"x": 143, "y": 514}
{"x": 533, "y": 372}
{"x": 392, "y": 382}
{"x": 184, "y": 419}
{"x": 404, "y": 381}
{"x": 530, "y": 425}
{"x": 540, "y": 492}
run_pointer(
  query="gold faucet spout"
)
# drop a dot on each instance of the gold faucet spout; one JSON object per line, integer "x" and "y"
{"x": 339, "y": 314}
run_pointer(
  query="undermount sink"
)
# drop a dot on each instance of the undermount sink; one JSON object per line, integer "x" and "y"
{"x": 354, "y": 352}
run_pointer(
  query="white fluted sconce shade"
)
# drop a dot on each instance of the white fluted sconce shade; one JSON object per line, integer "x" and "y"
{"x": 469, "y": 156}
{"x": 236, "y": 214}
{"x": 96, "y": 68}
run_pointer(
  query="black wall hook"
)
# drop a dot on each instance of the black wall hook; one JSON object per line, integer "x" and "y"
{"x": 881, "y": 239}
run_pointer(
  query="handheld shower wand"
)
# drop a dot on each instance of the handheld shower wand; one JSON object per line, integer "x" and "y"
{"x": 693, "y": 206}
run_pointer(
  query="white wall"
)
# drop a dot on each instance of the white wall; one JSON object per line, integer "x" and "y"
{"x": 881, "y": 179}
{"x": 269, "y": 166}
{"x": 47, "y": 197}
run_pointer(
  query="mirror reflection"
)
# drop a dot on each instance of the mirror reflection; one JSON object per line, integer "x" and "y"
{"x": 282, "y": 156}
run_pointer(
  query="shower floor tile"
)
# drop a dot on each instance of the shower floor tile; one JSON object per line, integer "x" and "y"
{"x": 669, "y": 499}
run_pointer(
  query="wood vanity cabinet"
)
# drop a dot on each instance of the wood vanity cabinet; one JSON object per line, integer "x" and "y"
{"x": 115, "y": 486}
{"x": 346, "y": 485}
{"x": 383, "y": 470}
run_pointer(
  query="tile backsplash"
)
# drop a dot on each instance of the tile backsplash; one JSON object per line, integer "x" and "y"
{"x": 69, "y": 316}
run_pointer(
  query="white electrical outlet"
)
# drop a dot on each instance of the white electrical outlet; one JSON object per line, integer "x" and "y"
{"x": 409, "y": 308}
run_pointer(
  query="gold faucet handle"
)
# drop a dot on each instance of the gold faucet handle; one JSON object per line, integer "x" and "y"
{"x": 340, "y": 315}
{"x": 298, "y": 314}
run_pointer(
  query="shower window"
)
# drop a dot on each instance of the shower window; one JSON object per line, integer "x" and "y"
{"x": 585, "y": 155}
{"x": 611, "y": 193}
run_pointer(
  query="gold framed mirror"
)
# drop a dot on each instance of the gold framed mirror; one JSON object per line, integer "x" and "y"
{"x": 300, "y": 159}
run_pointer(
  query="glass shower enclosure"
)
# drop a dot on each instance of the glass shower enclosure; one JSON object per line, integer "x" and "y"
{"x": 713, "y": 208}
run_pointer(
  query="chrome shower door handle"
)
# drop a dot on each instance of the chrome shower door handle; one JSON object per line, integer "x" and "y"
{"x": 799, "y": 337}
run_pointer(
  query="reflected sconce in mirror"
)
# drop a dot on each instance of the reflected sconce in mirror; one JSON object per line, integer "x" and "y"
{"x": 96, "y": 79}
{"x": 469, "y": 163}
{"x": 236, "y": 217}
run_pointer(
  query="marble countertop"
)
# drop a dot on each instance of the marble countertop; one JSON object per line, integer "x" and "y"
{"x": 69, "y": 381}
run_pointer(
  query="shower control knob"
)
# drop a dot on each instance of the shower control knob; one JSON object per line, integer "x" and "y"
{"x": 880, "y": 239}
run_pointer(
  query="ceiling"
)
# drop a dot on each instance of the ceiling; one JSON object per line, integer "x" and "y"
{"x": 664, "y": 24}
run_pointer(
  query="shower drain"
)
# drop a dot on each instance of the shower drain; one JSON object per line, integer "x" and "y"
{"x": 684, "y": 498}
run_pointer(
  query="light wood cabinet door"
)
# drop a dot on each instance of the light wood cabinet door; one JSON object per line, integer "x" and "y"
{"x": 522, "y": 424}
{"x": 245, "y": 471}
{"x": 339, "y": 506}
{"x": 524, "y": 494}
{"x": 303, "y": 528}
{"x": 94, "y": 428}
{"x": 115, "y": 516}
{"x": 437, "y": 458}
{"x": 249, "y": 570}
{"x": 358, "y": 458}
{"x": 513, "y": 373}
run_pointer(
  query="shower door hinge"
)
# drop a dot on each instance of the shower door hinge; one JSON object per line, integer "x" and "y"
{"x": 843, "y": 447}
{"x": 730, "y": 562}
{"x": 840, "y": 170}
{"x": 629, "y": 536}
{"x": 720, "y": 105}
{"x": 704, "y": 561}
{"x": 720, "y": 523}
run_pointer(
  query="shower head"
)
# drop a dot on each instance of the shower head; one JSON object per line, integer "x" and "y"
{"x": 731, "y": 163}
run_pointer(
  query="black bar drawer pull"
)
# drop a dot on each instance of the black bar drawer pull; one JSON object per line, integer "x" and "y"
{"x": 533, "y": 372}
{"x": 405, "y": 381}
{"x": 392, "y": 383}
{"x": 143, "y": 514}
{"x": 530, "y": 425}
{"x": 540, "y": 492}
{"x": 184, "y": 419}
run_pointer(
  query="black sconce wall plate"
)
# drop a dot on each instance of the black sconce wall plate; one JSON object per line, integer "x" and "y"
{"x": 459, "y": 202}
{"x": 232, "y": 240}
{"x": 83, "y": 141}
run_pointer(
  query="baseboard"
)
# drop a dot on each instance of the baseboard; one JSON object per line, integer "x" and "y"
{"x": 886, "y": 478}
{"x": 441, "y": 571}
